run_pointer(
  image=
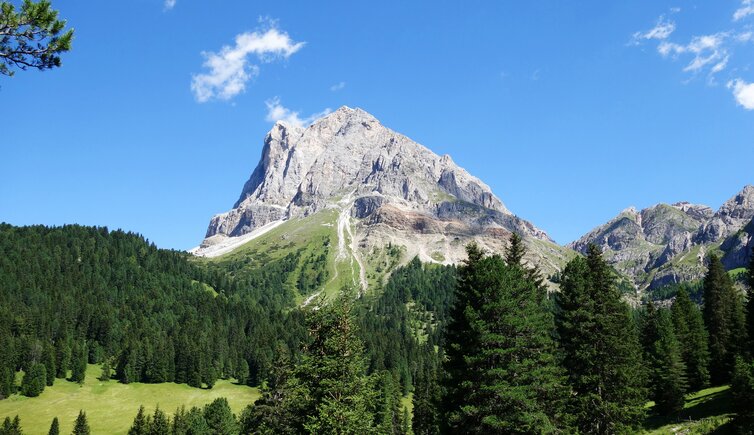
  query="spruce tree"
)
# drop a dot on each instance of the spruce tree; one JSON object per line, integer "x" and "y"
{"x": 602, "y": 354}
{"x": 54, "y": 427}
{"x": 724, "y": 319}
{"x": 140, "y": 426}
{"x": 742, "y": 390}
{"x": 511, "y": 382}
{"x": 220, "y": 418}
{"x": 243, "y": 372}
{"x": 668, "y": 372}
{"x": 49, "y": 361}
{"x": 427, "y": 395}
{"x": 160, "y": 423}
{"x": 106, "y": 371}
{"x": 34, "y": 380}
{"x": 11, "y": 427}
{"x": 79, "y": 358}
{"x": 514, "y": 255}
{"x": 81, "y": 427}
{"x": 692, "y": 337}
{"x": 750, "y": 306}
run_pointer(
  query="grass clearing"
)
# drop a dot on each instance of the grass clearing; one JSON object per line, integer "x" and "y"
{"x": 706, "y": 411}
{"x": 111, "y": 406}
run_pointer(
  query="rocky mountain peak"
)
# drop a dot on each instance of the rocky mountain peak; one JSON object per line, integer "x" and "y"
{"x": 395, "y": 190}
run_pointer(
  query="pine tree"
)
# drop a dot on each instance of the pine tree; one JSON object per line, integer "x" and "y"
{"x": 11, "y": 427}
{"x": 54, "y": 427}
{"x": 742, "y": 389}
{"x": 509, "y": 381}
{"x": 750, "y": 306}
{"x": 220, "y": 418}
{"x": 602, "y": 354}
{"x": 692, "y": 337}
{"x": 50, "y": 369}
{"x": 79, "y": 357}
{"x": 724, "y": 319}
{"x": 243, "y": 372}
{"x": 427, "y": 395}
{"x": 140, "y": 425}
{"x": 106, "y": 371}
{"x": 160, "y": 423}
{"x": 62, "y": 359}
{"x": 668, "y": 372}
{"x": 34, "y": 381}
{"x": 81, "y": 427}
{"x": 514, "y": 255}
{"x": 388, "y": 404}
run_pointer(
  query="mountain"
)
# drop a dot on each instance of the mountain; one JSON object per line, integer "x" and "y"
{"x": 666, "y": 244}
{"x": 371, "y": 198}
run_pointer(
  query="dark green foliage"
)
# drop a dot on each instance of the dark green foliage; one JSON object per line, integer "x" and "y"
{"x": 140, "y": 425}
{"x": 81, "y": 427}
{"x": 502, "y": 376}
{"x": 31, "y": 37}
{"x": 220, "y": 418}
{"x": 79, "y": 358}
{"x": 54, "y": 427}
{"x": 724, "y": 319}
{"x": 692, "y": 337}
{"x": 34, "y": 380}
{"x": 11, "y": 427}
{"x": 514, "y": 255}
{"x": 388, "y": 407}
{"x": 97, "y": 295}
{"x": 243, "y": 372}
{"x": 190, "y": 423}
{"x": 601, "y": 349}
{"x": 667, "y": 380}
{"x": 49, "y": 362}
{"x": 742, "y": 389}
{"x": 427, "y": 395}
{"x": 160, "y": 423}
{"x": 106, "y": 371}
{"x": 750, "y": 306}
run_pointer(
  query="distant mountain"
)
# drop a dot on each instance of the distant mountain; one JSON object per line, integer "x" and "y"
{"x": 371, "y": 195}
{"x": 668, "y": 243}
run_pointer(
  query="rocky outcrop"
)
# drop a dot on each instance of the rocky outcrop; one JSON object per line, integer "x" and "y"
{"x": 666, "y": 244}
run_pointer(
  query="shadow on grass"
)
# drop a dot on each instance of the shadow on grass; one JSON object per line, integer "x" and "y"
{"x": 713, "y": 407}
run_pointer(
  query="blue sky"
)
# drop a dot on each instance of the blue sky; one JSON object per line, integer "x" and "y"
{"x": 570, "y": 111}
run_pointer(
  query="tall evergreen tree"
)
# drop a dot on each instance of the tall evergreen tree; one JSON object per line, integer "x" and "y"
{"x": 79, "y": 358}
{"x": 81, "y": 427}
{"x": 750, "y": 306}
{"x": 742, "y": 389}
{"x": 667, "y": 371}
{"x": 54, "y": 427}
{"x": 511, "y": 382}
{"x": 514, "y": 255}
{"x": 724, "y": 319}
{"x": 427, "y": 396}
{"x": 140, "y": 426}
{"x": 49, "y": 362}
{"x": 692, "y": 337}
{"x": 160, "y": 423}
{"x": 34, "y": 380}
{"x": 601, "y": 349}
{"x": 220, "y": 418}
{"x": 11, "y": 427}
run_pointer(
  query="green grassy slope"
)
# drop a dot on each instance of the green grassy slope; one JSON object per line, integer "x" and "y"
{"x": 706, "y": 411}
{"x": 110, "y": 406}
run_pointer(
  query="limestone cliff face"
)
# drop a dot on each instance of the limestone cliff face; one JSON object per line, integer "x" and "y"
{"x": 395, "y": 190}
{"x": 668, "y": 243}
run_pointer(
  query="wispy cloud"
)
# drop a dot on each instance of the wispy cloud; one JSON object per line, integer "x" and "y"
{"x": 338, "y": 86}
{"x": 662, "y": 30}
{"x": 169, "y": 4}
{"x": 277, "y": 112}
{"x": 743, "y": 93}
{"x": 746, "y": 9}
{"x": 708, "y": 51}
{"x": 230, "y": 68}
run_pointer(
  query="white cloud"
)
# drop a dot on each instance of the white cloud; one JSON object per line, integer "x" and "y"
{"x": 662, "y": 30}
{"x": 169, "y": 4}
{"x": 708, "y": 50}
{"x": 743, "y": 92}
{"x": 230, "y": 69}
{"x": 746, "y": 9}
{"x": 276, "y": 112}
{"x": 745, "y": 36}
{"x": 338, "y": 86}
